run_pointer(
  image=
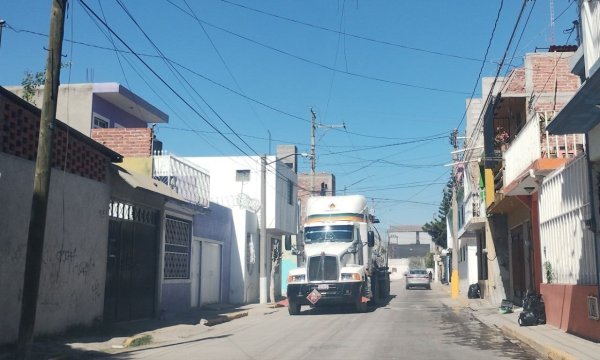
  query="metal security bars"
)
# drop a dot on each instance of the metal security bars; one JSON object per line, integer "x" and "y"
{"x": 178, "y": 235}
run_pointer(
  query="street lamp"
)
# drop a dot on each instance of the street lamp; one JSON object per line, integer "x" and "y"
{"x": 263, "y": 223}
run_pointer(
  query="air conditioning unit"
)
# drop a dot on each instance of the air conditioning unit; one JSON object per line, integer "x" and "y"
{"x": 592, "y": 303}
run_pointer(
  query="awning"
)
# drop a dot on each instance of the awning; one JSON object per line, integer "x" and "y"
{"x": 530, "y": 180}
{"x": 146, "y": 183}
{"x": 581, "y": 113}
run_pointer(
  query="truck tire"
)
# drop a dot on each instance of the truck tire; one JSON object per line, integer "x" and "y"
{"x": 385, "y": 290}
{"x": 375, "y": 292}
{"x": 293, "y": 308}
{"x": 361, "y": 307}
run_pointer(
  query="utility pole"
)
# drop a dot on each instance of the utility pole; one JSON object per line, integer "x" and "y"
{"x": 454, "y": 279}
{"x": 262, "y": 264}
{"x": 313, "y": 128}
{"x": 41, "y": 185}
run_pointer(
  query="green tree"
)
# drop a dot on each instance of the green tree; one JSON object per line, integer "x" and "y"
{"x": 31, "y": 82}
{"x": 437, "y": 227}
{"x": 429, "y": 260}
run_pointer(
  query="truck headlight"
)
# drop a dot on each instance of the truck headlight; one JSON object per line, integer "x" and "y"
{"x": 351, "y": 276}
{"x": 296, "y": 278}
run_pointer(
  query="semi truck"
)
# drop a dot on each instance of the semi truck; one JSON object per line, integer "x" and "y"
{"x": 342, "y": 259}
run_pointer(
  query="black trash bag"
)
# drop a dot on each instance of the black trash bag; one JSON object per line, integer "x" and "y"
{"x": 527, "y": 318}
{"x": 534, "y": 310}
{"x": 474, "y": 291}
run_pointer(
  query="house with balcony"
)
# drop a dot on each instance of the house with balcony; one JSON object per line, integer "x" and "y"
{"x": 569, "y": 198}
{"x": 471, "y": 247}
{"x": 157, "y": 200}
{"x": 184, "y": 249}
{"x": 239, "y": 188}
{"x": 518, "y": 153}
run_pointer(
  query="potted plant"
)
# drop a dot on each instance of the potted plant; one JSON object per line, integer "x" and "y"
{"x": 501, "y": 138}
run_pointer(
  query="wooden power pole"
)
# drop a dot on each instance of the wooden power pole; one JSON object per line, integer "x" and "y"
{"x": 454, "y": 278}
{"x": 41, "y": 185}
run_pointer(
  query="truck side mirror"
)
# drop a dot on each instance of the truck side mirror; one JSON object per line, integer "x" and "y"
{"x": 370, "y": 238}
{"x": 288, "y": 242}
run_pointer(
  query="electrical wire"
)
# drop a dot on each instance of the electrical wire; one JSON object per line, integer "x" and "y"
{"x": 162, "y": 80}
{"x": 195, "y": 73}
{"x": 339, "y": 32}
{"x": 487, "y": 50}
{"x": 362, "y": 76}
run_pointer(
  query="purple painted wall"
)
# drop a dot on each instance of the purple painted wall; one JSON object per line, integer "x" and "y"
{"x": 175, "y": 297}
{"x": 114, "y": 114}
{"x": 218, "y": 225}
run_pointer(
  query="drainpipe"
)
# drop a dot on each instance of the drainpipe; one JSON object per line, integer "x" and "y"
{"x": 593, "y": 224}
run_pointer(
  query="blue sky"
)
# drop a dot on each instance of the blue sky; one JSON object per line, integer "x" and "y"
{"x": 396, "y": 73}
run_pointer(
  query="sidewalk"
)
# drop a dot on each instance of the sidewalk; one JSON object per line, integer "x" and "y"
{"x": 550, "y": 342}
{"x": 150, "y": 333}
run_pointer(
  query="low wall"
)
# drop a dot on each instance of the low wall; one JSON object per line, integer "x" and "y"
{"x": 566, "y": 308}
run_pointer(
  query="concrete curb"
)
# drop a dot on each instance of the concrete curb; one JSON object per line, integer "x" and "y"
{"x": 226, "y": 318}
{"x": 548, "y": 352}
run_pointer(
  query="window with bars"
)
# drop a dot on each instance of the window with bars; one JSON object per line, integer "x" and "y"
{"x": 178, "y": 235}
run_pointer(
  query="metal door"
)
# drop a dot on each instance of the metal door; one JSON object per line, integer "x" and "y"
{"x": 131, "y": 264}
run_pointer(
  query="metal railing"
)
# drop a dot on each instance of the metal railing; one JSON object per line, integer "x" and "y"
{"x": 185, "y": 178}
{"x": 533, "y": 142}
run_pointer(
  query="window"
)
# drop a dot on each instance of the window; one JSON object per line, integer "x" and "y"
{"x": 100, "y": 122}
{"x": 290, "y": 192}
{"x": 242, "y": 175}
{"x": 178, "y": 234}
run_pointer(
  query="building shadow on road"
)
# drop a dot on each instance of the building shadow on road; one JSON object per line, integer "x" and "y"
{"x": 57, "y": 346}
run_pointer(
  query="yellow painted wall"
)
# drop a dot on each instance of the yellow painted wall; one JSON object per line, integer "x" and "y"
{"x": 489, "y": 187}
{"x": 138, "y": 165}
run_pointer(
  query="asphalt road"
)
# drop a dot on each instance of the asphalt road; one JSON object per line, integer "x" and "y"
{"x": 415, "y": 324}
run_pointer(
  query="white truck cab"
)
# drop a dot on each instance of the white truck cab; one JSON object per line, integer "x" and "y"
{"x": 342, "y": 255}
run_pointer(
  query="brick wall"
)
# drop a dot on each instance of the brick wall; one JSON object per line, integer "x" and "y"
{"x": 129, "y": 142}
{"x": 19, "y": 133}
{"x": 516, "y": 82}
{"x": 550, "y": 70}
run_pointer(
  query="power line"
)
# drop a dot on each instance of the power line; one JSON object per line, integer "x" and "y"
{"x": 191, "y": 71}
{"x": 487, "y": 50}
{"x": 479, "y": 123}
{"x": 193, "y": 89}
{"x": 92, "y": 13}
{"x": 363, "y": 147}
{"x": 389, "y": 145}
{"x": 362, "y": 76}
{"x": 214, "y": 46}
{"x": 339, "y": 32}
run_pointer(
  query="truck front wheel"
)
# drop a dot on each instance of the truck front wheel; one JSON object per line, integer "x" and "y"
{"x": 293, "y": 308}
{"x": 361, "y": 306}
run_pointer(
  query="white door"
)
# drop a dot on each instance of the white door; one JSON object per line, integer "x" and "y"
{"x": 211, "y": 273}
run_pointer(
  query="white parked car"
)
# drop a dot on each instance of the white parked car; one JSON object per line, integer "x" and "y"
{"x": 418, "y": 278}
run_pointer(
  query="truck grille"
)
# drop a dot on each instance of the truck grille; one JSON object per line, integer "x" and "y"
{"x": 322, "y": 268}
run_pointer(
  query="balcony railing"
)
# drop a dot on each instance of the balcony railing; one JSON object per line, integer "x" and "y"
{"x": 187, "y": 179}
{"x": 533, "y": 142}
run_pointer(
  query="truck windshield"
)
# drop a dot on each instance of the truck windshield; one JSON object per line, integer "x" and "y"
{"x": 328, "y": 233}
